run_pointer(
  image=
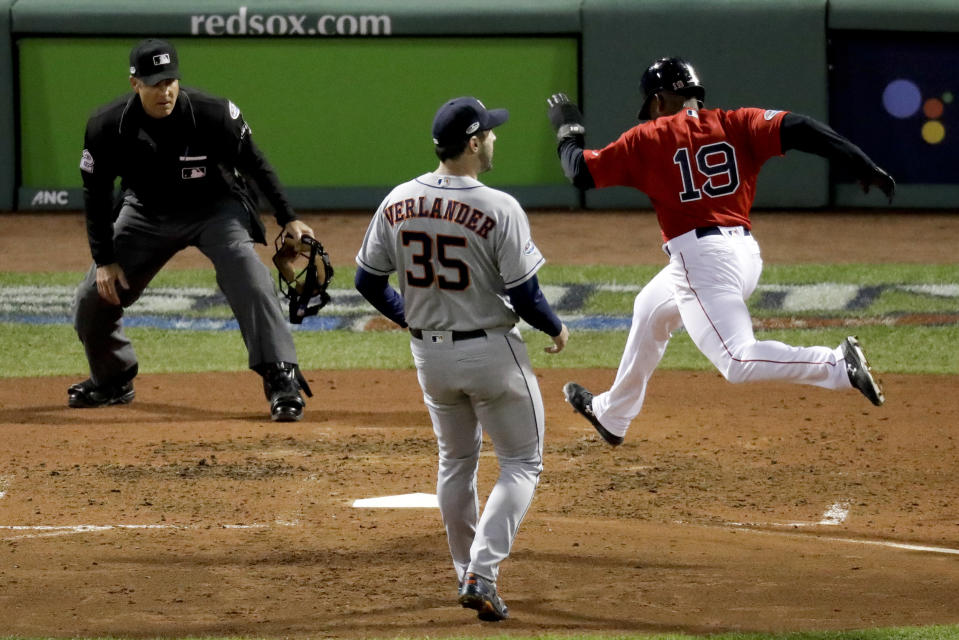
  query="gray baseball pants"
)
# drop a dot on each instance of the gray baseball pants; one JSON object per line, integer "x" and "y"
{"x": 470, "y": 386}
{"x": 143, "y": 245}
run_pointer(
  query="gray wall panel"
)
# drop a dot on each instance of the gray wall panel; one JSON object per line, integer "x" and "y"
{"x": 749, "y": 53}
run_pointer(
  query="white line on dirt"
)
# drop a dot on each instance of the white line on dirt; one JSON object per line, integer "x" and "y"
{"x": 834, "y": 515}
{"x": 900, "y": 545}
{"x": 754, "y": 528}
{"x": 49, "y": 531}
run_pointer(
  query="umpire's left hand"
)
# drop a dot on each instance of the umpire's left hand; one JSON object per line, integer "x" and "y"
{"x": 109, "y": 276}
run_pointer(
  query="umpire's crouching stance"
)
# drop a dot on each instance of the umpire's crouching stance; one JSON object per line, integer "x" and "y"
{"x": 181, "y": 156}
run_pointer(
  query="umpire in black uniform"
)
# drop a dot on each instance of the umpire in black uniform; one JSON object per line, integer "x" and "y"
{"x": 183, "y": 157}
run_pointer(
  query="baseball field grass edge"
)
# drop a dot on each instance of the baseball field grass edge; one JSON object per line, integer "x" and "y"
{"x": 48, "y": 350}
{"x": 49, "y": 346}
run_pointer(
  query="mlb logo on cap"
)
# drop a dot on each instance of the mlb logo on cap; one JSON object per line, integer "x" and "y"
{"x": 153, "y": 61}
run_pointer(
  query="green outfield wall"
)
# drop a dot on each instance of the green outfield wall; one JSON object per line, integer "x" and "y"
{"x": 341, "y": 120}
{"x": 340, "y": 93}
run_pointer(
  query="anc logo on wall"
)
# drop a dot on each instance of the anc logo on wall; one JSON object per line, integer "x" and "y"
{"x": 48, "y": 199}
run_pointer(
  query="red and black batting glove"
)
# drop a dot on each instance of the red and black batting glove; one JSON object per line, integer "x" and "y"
{"x": 565, "y": 116}
{"x": 876, "y": 176}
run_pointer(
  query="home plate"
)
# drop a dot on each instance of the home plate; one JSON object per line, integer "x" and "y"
{"x": 405, "y": 501}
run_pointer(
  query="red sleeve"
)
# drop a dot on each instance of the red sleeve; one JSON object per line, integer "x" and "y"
{"x": 761, "y": 128}
{"x": 611, "y": 165}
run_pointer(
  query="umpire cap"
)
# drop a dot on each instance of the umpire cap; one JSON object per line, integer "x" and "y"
{"x": 153, "y": 60}
{"x": 669, "y": 74}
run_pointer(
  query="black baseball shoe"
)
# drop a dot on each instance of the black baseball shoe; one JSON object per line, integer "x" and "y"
{"x": 479, "y": 593}
{"x": 281, "y": 384}
{"x": 582, "y": 402}
{"x": 87, "y": 395}
{"x": 859, "y": 372}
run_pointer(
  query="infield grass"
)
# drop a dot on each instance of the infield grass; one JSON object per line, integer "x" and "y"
{"x": 52, "y": 349}
{"x": 863, "y": 274}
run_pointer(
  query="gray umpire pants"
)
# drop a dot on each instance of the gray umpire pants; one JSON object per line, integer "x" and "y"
{"x": 470, "y": 386}
{"x": 143, "y": 245}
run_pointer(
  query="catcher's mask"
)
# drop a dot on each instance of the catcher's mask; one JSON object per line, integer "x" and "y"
{"x": 301, "y": 281}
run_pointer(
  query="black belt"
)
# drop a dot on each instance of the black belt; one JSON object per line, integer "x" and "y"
{"x": 457, "y": 335}
{"x": 702, "y": 232}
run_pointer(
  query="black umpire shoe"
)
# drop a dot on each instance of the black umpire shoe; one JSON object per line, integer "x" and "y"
{"x": 582, "y": 401}
{"x": 282, "y": 384}
{"x": 479, "y": 593}
{"x": 87, "y": 395}
{"x": 860, "y": 375}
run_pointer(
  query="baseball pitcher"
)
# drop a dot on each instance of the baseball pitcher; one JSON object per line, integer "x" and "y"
{"x": 467, "y": 272}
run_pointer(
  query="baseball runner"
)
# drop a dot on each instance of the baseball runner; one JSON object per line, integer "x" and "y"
{"x": 467, "y": 272}
{"x": 699, "y": 167}
{"x": 181, "y": 155}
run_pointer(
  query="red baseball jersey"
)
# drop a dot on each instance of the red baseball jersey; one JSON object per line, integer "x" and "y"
{"x": 699, "y": 168}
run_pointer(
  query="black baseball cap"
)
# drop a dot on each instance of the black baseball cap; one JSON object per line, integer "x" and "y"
{"x": 460, "y": 118}
{"x": 154, "y": 60}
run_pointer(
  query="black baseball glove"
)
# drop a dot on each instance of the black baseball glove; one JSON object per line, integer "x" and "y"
{"x": 565, "y": 116}
{"x": 306, "y": 289}
{"x": 876, "y": 176}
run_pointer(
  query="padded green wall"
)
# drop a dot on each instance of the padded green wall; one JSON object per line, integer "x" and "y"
{"x": 331, "y": 112}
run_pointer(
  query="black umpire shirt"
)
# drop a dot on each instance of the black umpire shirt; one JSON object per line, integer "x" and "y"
{"x": 178, "y": 166}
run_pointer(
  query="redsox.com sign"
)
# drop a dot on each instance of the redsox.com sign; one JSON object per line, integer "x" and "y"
{"x": 243, "y": 23}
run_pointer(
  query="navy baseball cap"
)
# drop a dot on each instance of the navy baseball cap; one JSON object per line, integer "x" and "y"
{"x": 154, "y": 60}
{"x": 458, "y": 119}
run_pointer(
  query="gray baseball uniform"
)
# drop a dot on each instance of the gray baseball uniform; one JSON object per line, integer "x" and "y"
{"x": 457, "y": 246}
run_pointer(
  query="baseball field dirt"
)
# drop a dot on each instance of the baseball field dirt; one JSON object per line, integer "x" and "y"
{"x": 766, "y": 507}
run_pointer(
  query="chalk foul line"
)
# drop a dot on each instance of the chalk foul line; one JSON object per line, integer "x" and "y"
{"x": 834, "y": 515}
{"x": 764, "y": 529}
{"x": 49, "y": 531}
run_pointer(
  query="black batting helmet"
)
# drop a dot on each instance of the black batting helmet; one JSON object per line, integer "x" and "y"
{"x": 669, "y": 74}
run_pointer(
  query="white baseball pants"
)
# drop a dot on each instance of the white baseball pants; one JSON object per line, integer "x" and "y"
{"x": 704, "y": 288}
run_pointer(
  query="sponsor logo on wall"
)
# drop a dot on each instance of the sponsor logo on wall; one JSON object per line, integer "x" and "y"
{"x": 48, "y": 199}
{"x": 244, "y": 23}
